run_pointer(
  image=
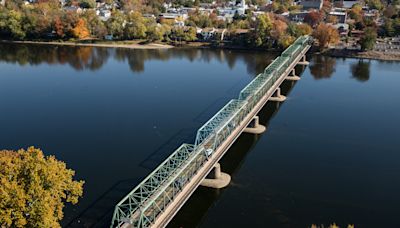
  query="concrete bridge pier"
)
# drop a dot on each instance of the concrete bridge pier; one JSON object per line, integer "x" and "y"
{"x": 278, "y": 96}
{"x": 216, "y": 178}
{"x": 255, "y": 127}
{"x": 303, "y": 61}
{"x": 293, "y": 76}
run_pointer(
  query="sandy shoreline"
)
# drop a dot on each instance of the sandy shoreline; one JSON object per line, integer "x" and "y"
{"x": 111, "y": 45}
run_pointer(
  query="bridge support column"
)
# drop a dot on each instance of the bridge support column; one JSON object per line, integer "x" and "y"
{"x": 255, "y": 127}
{"x": 293, "y": 76}
{"x": 278, "y": 96}
{"x": 303, "y": 61}
{"x": 216, "y": 178}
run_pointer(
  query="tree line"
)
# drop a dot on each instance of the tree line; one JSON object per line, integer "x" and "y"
{"x": 46, "y": 19}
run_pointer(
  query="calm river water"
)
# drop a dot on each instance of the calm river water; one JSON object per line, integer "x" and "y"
{"x": 330, "y": 154}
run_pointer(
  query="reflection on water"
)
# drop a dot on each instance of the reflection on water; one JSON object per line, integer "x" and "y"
{"x": 360, "y": 70}
{"x": 93, "y": 58}
{"x": 322, "y": 66}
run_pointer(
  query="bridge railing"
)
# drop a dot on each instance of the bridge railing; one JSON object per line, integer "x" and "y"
{"x": 148, "y": 200}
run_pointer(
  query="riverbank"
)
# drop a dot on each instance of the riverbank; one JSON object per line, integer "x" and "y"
{"x": 142, "y": 44}
{"x": 118, "y": 44}
{"x": 377, "y": 55}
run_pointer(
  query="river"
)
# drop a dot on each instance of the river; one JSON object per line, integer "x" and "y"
{"x": 330, "y": 152}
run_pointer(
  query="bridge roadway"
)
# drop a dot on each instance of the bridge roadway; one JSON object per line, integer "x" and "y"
{"x": 156, "y": 200}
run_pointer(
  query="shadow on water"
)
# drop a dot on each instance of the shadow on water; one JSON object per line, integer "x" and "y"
{"x": 99, "y": 213}
{"x": 195, "y": 209}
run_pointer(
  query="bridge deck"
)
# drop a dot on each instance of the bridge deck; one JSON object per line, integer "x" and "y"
{"x": 163, "y": 192}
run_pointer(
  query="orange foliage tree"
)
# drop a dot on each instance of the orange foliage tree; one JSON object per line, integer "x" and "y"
{"x": 313, "y": 18}
{"x": 80, "y": 30}
{"x": 326, "y": 35}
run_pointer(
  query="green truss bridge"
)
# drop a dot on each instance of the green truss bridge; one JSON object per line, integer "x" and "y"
{"x": 156, "y": 200}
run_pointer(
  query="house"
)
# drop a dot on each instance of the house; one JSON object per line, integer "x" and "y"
{"x": 342, "y": 28}
{"x": 357, "y": 33}
{"x": 208, "y": 33}
{"x": 174, "y": 16}
{"x": 311, "y": 4}
{"x": 348, "y": 4}
{"x": 297, "y": 16}
{"x": 108, "y": 37}
{"x": 75, "y": 9}
{"x": 103, "y": 14}
{"x": 149, "y": 15}
{"x": 340, "y": 14}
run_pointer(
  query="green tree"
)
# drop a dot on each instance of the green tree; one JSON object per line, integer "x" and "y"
{"x": 94, "y": 24}
{"x": 87, "y": 3}
{"x": 135, "y": 28}
{"x": 14, "y": 25}
{"x": 33, "y": 189}
{"x": 389, "y": 27}
{"x": 375, "y": 4}
{"x": 368, "y": 40}
{"x": 183, "y": 34}
{"x": 158, "y": 32}
{"x": 262, "y": 30}
{"x": 115, "y": 25}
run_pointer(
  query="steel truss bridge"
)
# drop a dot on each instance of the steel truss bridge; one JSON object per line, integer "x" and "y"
{"x": 155, "y": 201}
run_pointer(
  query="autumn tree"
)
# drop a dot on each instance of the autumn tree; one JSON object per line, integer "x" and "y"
{"x": 313, "y": 18}
{"x": 34, "y": 188}
{"x": 80, "y": 30}
{"x": 279, "y": 28}
{"x": 304, "y": 29}
{"x": 286, "y": 40}
{"x": 326, "y": 35}
{"x": 131, "y": 5}
{"x": 356, "y": 12}
{"x": 332, "y": 19}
